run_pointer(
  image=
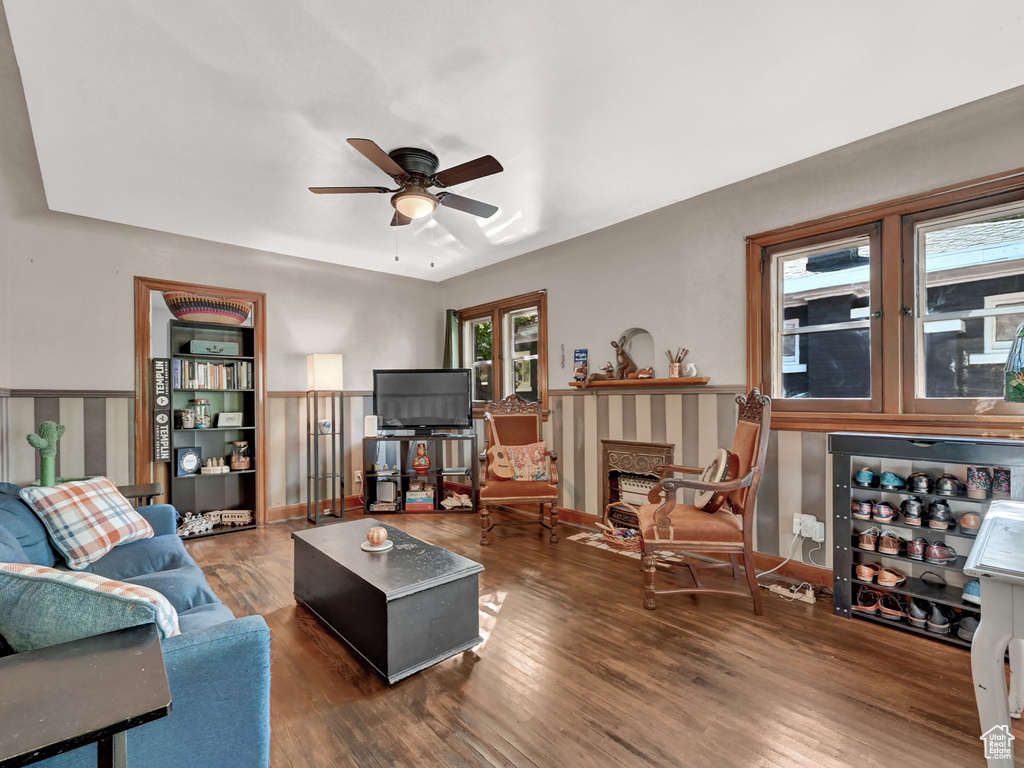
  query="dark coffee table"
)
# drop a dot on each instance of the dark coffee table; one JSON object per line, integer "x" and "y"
{"x": 401, "y": 610}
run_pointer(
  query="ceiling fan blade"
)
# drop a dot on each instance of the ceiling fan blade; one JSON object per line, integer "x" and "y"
{"x": 474, "y": 169}
{"x": 377, "y": 156}
{"x": 345, "y": 190}
{"x": 399, "y": 220}
{"x": 467, "y": 205}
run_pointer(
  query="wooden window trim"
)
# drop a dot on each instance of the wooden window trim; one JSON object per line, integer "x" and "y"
{"x": 494, "y": 310}
{"x": 900, "y": 410}
{"x": 143, "y": 287}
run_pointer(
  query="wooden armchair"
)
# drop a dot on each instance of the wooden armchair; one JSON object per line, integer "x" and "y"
{"x": 667, "y": 525}
{"x": 517, "y": 423}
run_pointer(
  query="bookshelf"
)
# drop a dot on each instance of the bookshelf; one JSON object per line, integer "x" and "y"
{"x": 217, "y": 363}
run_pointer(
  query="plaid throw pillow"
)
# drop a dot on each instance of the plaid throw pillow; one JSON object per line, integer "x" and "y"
{"x": 42, "y": 606}
{"x": 86, "y": 518}
{"x": 529, "y": 462}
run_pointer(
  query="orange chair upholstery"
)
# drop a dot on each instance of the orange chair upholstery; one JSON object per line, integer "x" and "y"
{"x": 517, "y": 422}
{"x": 667, "y": 525}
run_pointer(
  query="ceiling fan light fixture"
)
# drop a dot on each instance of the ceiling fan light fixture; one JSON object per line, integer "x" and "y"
{"x": 414, "y": 203}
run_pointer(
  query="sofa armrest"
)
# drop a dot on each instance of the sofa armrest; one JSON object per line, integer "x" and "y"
{"x": 163, "y": 518}
{"x": 220, "y": 700}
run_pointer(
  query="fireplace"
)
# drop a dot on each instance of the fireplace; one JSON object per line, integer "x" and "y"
{"x": 627, "y": 467}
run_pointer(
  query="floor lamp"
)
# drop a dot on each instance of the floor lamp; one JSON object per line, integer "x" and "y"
{"x": 325, "y": 429}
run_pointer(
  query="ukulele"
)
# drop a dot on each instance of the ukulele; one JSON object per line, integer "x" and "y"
{"x": 497, "y": 459}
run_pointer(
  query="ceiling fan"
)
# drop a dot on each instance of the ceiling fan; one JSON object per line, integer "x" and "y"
{"x": 415, "y": 171}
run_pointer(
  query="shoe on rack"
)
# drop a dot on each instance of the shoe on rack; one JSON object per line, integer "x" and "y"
{"x": 948, "y": 485}
{"x": 890, "y": 577}
{"x": 884, "y": 513}
{"x": 862, "y": 510}
{"x": 968, "y": 626}
{"x": 892, "y": 607}
{"x": 919, "y": 482}
{"x": 940, "y": 621}
{"x": 867, "y": 571}
{"x": 867, "y": 601}
{"x": 892, "y": 482}
{"x": 970, "y": 523}
{"x": 912, "y": 510}
{"x": 866, "y": 478}
{"x": 868, "y": 539}
{"x": 940, "y": 515}
{"x": 918, "y": 612}
{"x": 939, "y": 553}
{"x": 972, "y": 592}
{"x": 890, "y": 543}
{"x": 916, "y": 548}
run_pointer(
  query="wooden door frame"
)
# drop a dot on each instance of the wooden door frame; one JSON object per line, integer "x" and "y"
{"x": 144, "y": 286}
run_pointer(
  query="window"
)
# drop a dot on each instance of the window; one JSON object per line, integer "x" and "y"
{"x": 505, "y": 344}
{"x": 905, "y": 311}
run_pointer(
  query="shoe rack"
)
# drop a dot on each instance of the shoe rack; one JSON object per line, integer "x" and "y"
{"x": 904, "y": 455}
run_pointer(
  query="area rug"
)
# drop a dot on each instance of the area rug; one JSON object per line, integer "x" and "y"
{"x": 598, "y": 540}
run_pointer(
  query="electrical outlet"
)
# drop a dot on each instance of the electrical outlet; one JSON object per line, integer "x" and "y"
{"x": 359, "y": 477}
{"x": 807, "y": 524}
{"x": 797, "y": 523}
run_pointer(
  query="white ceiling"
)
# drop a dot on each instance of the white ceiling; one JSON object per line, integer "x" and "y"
{"x": 211, "y": 119}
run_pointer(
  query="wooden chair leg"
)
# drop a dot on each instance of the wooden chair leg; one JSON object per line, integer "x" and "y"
{"x": 735, "y": 560}
{"x": 649, "y": 566}
{"x": 553, "y": 538}
{"x": 485, "y": 524}
{"x": 755, "y": 590}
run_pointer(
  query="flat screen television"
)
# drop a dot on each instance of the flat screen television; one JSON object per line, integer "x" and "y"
{"x": 423, "y": 399}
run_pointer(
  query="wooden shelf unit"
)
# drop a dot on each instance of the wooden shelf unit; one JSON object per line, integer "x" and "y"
{"x": 461, "y": 478}
{"x": 198, "y": 493}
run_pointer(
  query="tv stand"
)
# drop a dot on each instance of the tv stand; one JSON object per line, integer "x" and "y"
{"x": 453, "y": 468}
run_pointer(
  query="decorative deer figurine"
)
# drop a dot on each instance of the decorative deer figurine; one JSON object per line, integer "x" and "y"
{"x": 606, "y": 376}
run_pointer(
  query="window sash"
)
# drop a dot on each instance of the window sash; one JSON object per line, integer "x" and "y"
{"x": 915, "y": 227}
{"x": 774, "y": 330}
{"x": 501, "y": 315}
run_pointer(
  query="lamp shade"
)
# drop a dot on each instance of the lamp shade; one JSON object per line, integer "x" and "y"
{"x": 324, "y": 373}
{"x": 414, "y": 203}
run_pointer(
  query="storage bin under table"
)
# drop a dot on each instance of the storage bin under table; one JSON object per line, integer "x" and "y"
{"x": 401, "y": 610}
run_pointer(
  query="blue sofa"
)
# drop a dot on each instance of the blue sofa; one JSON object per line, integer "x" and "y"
{"x": 218, "y": 667}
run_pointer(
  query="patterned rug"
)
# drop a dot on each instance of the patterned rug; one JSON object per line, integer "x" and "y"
{"x": 597, "y": 540}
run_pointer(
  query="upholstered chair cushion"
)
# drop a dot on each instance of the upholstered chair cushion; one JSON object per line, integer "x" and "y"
{"x": 494, "y": 490}
{"x": 690, "y": 523}
{"x": 516, "y": 428}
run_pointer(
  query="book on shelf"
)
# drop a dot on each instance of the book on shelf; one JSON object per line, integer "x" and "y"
{"x": 419, "y": 506}
{"x": 383, "y": 506}
{"x": 455, "y": 471}
{"x": 197, "y": 374}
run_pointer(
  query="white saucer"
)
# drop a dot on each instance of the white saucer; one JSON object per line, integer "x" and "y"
{"x": 368, "y": 547}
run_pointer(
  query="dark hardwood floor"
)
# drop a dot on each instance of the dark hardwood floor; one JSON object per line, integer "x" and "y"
{"x": 574, "y": 672}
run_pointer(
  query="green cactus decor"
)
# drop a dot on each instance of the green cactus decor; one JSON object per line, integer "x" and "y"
{"x": 46, "y": 443}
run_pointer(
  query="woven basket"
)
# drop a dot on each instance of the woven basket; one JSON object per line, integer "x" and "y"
{"x": 193, "y": 308}
{"x": 631, "y": 544}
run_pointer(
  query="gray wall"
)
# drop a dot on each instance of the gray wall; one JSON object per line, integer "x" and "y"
{"x": 679, "y": 272}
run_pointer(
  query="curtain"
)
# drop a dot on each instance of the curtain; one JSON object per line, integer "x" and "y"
{"x": 452, "y": 347}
